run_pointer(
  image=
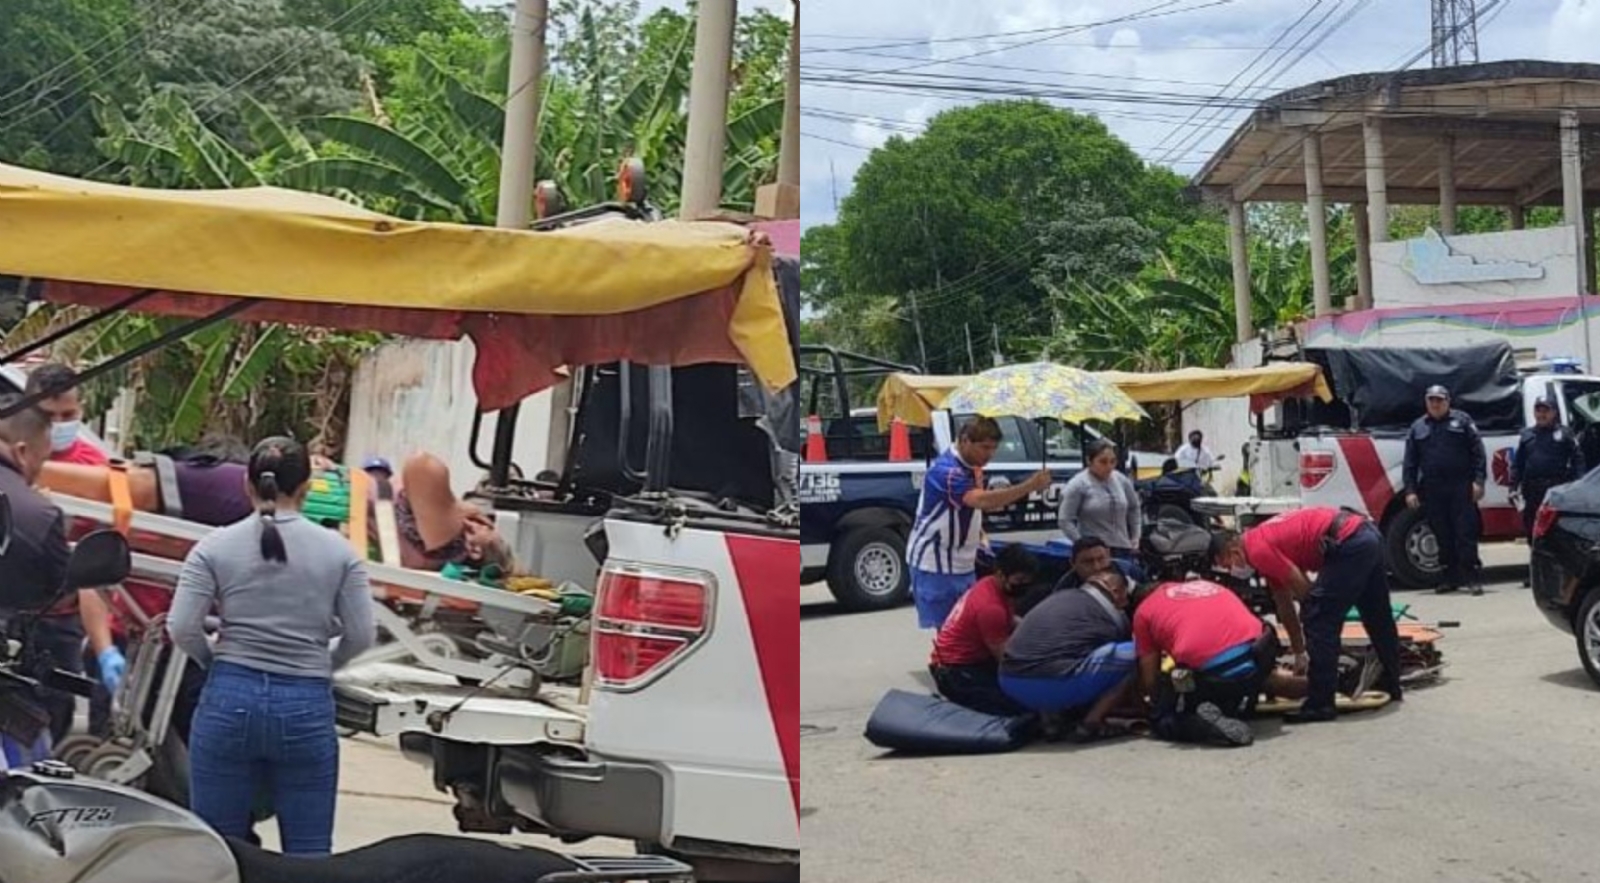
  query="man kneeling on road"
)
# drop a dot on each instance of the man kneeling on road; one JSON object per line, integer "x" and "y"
{"x": 967, "y": 651}
{"x": 1345, "y": 551}
{"x": 1225, "y": 657}
{"x": 1072, "y": 652}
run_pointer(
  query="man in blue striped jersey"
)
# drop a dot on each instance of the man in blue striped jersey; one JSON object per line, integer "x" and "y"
{"x": 943, "y": 548}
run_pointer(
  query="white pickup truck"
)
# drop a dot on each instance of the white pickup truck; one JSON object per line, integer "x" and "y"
{"x": 1362, "y": 470}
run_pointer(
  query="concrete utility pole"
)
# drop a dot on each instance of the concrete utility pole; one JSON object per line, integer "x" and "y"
{"x": 519, "y": 150}
{"x": 781, "y": 201}
{"x": 707, "y": 140}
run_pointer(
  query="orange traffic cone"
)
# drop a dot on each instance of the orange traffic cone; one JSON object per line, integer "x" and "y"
{"x": 816, "y": 445}
{"x": 899, "y": 441}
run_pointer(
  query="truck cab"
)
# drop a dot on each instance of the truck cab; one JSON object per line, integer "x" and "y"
{"x": 677, "y": 509}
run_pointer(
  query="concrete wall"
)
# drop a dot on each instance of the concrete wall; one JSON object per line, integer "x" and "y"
{"x": 1435, "y": 270}
{"x": 417, "y": 395}
{"x": 1226, "y": 422}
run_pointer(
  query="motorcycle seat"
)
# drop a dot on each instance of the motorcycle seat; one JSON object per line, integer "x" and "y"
{"x": 414, "y": 858}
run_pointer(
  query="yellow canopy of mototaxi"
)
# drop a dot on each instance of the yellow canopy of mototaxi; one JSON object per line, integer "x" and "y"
{"x": 663, "y": 293}
{"x": 913, "y": 398}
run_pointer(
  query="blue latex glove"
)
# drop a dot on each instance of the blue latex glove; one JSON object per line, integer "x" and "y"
{"x": 113, "y": 665}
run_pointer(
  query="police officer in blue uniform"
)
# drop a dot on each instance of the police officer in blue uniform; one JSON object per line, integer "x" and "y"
{"x": 1547, "y": 455}
{"x": 1444, "y": 473}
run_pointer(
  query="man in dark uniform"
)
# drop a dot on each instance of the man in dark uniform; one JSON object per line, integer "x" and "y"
{"x": 34, "y": 566}
{"x": 1444, "y": 474}
{"x": 1547, "y": 455}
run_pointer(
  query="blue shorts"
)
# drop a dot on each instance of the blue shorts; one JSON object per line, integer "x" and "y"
{"x": 1101, "y": 672}
{"x": 936, "y": 594}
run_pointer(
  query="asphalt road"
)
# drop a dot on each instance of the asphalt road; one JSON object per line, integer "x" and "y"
{"x": 1490, "y": 775}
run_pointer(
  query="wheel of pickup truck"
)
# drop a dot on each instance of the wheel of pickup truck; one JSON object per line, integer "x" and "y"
{"x": 1587, "y": 630}
{"x": 867, "y": 570}
{"x": 1413, "y": 550}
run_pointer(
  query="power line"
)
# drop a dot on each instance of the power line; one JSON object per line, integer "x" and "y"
{"x": 1282, "y": 35}
{"x": 1022, "y": 69}
{"x": 1053, "y": 30}
{"x": 1159, "y": 10}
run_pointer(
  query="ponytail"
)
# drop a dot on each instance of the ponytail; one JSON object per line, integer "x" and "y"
{"x": 278, "y": 467}
{"x": 272, "y": 548}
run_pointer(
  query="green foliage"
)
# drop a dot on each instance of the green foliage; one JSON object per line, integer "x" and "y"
{"x": 993, "y": 206}
{"x": 396, "y": 105}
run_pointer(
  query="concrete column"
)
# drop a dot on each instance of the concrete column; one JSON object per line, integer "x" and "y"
{"x": 1572, "y": 190}
{"x": 1243, "y": 323}
{"x": 1447, "y": 184}
{"x": 707, "y": 139}
{"x": 1517, "y": 216}
{"x": 1317, "y": 221}
{"x": 781, "y": 200}
{"x": 1377, "y": 179}
{"x": 1363, "y": 235}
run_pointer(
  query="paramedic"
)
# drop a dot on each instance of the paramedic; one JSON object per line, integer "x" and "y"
{"x": 967, "y": 650}
{"x": 1345, "y": 551}
{"x": 288, "y": 621}
{"x": 1443, "y": 475}
{"x": 92, "y": 617}
{"x": 33, "y": 567}
{"x": 942, "y": 550}
{"x": 1547, "y": 455}
{"x": 1073, "y": 651}
{"x": 1229, "y": 655}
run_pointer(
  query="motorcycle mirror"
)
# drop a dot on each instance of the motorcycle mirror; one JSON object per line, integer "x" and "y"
{"x": 101, "y": 558}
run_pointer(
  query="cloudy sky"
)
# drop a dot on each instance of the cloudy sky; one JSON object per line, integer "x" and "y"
{"x": 1161, "y": 54}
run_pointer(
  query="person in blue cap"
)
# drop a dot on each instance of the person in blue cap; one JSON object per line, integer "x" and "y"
{"x": 1547, "y": 455}
{"x": 1444, "y": 475}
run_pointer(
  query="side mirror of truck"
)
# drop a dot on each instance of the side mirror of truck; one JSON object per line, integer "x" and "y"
{"x": 101, "y": 558}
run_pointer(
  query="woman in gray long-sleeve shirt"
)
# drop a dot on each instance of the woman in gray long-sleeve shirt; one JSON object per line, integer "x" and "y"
{"x": 266, "y": 716}
{"x": 1102, "y": 502}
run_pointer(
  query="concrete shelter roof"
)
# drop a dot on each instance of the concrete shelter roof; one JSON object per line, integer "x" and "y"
{"x": 1503, "y": 116}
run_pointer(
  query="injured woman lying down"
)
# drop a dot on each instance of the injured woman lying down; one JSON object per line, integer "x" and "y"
{"x": 435, "y": 527}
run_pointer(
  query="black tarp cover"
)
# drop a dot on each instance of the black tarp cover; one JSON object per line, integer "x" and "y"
{"x": 1384, "y": 387}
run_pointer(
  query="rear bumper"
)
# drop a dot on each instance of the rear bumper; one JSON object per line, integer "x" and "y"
{"x": 1555, "y": 565}
{"x": 606, "y": 798}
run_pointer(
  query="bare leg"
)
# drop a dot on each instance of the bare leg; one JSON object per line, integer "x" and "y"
{"x": 1102, "y": 707}
{"x": 1286, "y": 684}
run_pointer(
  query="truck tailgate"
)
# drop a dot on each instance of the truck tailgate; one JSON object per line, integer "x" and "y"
{"x": 386, "y": 699}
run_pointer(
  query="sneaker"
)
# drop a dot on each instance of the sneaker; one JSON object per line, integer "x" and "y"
{"x": 1475, "y": 590}
{"x": 1445, "y": 589}
{"x": 1224, "y": 729}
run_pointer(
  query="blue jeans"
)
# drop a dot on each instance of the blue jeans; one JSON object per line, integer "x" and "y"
{"x": 1101, "y": 672}
{"x": 254, "y": 730}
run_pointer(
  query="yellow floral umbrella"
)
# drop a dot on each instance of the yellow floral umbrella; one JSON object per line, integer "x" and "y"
{"x": 1044, "y": 391}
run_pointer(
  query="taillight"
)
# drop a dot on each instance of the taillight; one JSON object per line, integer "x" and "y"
{"x": 1545, "y": 520}
{"x": 1316, "y": 467}
{"x": 647, "y": 619}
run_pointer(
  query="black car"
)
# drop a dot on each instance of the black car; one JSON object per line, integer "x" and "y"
{"x": 1566, "y": 564}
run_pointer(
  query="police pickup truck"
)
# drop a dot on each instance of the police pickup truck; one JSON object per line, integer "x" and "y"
{"x": 856, "y": 507}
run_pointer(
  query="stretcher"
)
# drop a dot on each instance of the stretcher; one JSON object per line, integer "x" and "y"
{"x": 1366, "y": 701}
{"x": 438, "y": 622}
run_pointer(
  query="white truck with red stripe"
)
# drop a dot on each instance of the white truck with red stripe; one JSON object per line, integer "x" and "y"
{"x": 1362, "y": 471}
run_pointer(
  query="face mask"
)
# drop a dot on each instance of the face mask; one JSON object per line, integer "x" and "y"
{"x": 63, "y": 434}
{"x": 1241, "y": 571}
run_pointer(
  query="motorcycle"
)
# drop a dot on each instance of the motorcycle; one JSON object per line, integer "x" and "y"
{"x": 59, "y": 826}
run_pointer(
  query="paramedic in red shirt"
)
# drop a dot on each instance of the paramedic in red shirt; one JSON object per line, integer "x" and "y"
{"x": 88, "y": 615}
{"x": 1345, "y": 552}
{"x": 967, "y": 649}
{"x": 1230, "y": 654}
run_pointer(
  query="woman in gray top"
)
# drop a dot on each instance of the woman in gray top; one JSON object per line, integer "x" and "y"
{"x": 1102, "y": 502}
{"x": 265, "y": 719}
